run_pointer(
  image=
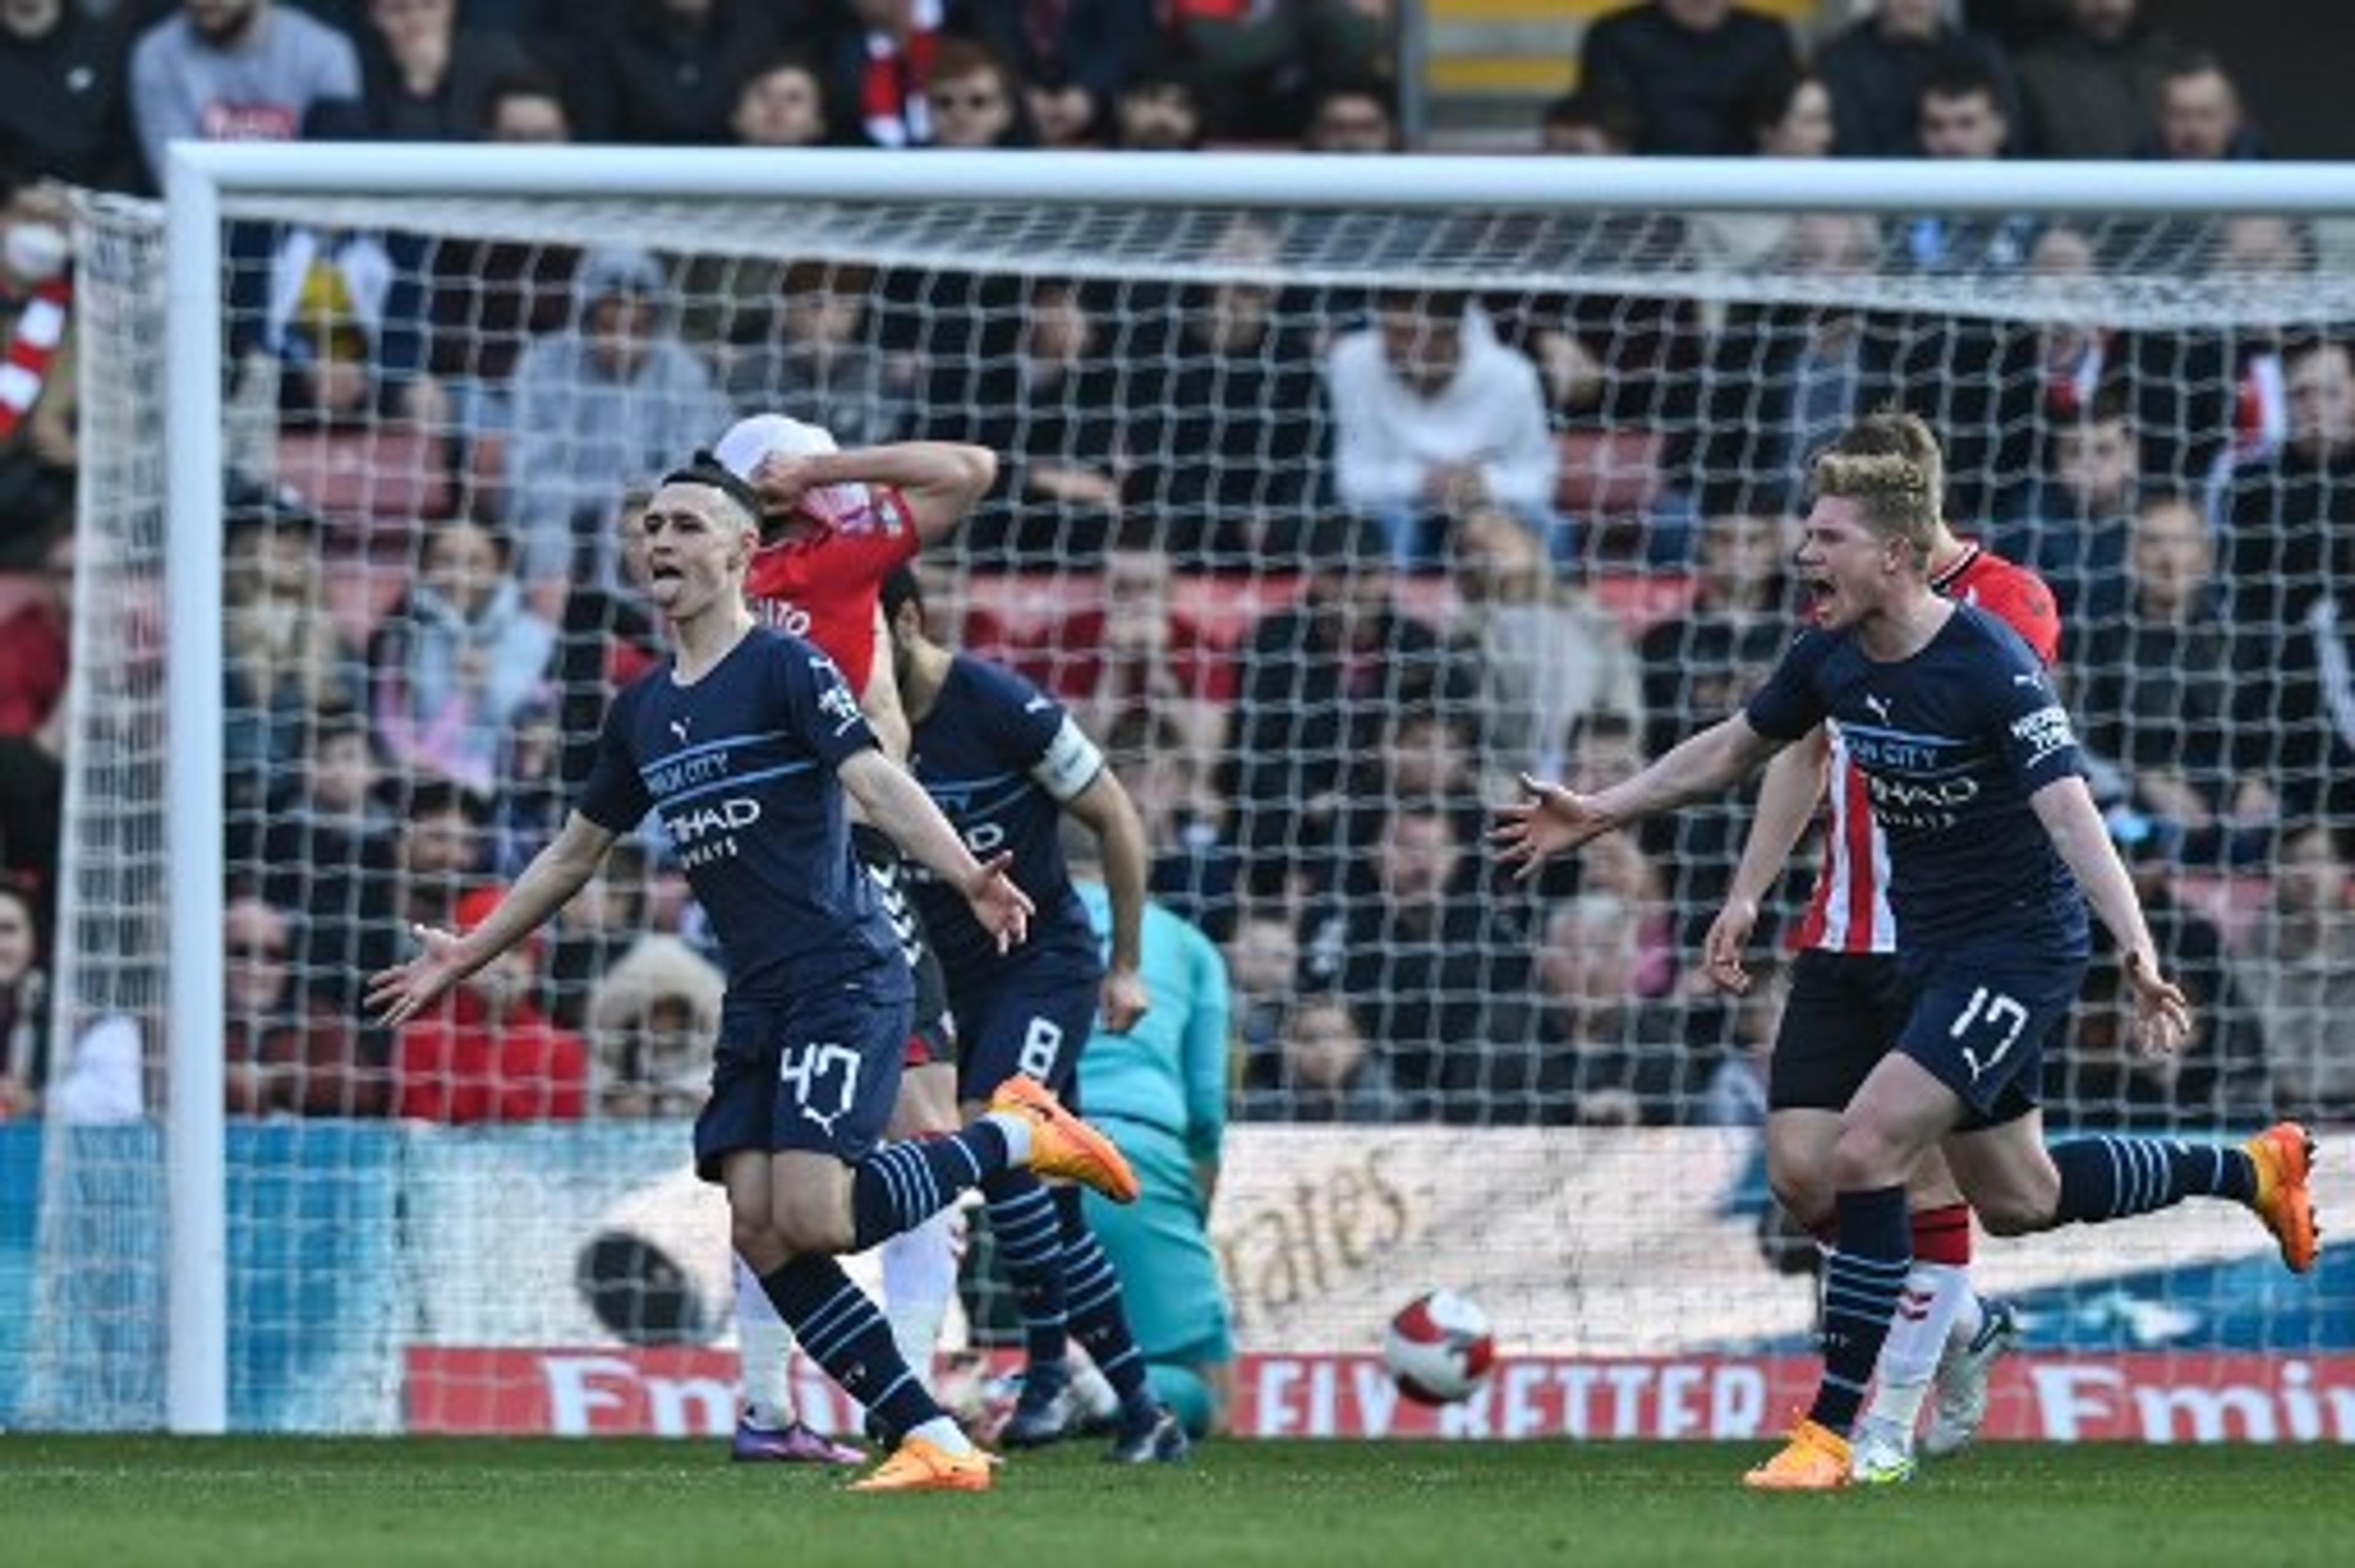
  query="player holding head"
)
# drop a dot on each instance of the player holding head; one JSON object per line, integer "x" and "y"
{"x": 833, "y": 525}
{"x": 1847, "y": 1004}
{"x": 1006, "y": 764}
{"x": 744, "y": 741}
{"x": 1974, "y": 774}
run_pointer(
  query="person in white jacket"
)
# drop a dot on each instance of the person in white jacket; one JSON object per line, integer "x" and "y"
{"x": 1432, "y": 416}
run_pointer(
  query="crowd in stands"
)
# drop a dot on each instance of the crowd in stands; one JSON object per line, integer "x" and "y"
{"x": 1325, "y": 568}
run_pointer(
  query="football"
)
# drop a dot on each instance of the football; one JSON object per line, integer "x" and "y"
{"x": 1439, "y": 1348}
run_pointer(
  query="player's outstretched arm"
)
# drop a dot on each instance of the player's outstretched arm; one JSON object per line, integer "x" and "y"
{"x": 1104, "y": 809}
{"x": 897, "y": 804}
{"x": 2065, "y": 806}
{"x": 547, "y": 885}
{"x": 1552, "y": 820}
{"x": 1786, "y": 801}
{"x": 939, "y": 480}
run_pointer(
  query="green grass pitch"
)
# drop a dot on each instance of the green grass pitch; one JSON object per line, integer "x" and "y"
{"x": 124, "y": 1503}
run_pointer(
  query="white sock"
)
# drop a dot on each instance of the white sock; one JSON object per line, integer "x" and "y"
{"x": 1917, "y": 1336}
{"x": 1017, "y": 1135}
{"x": 1092, "y": 1388}
{"x": 944, "y": 1435}
{"x": 919, "y": 1269}
{"x": 764, "y": 1349}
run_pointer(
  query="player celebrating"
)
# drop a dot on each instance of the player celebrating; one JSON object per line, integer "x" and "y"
{"x": 1005, "y": 764}
{"x": 1847, "y": 1004}
{"x": 744, "y": 742}
{"x": 833, "y": 525}
{"x": 1974, "y": 774}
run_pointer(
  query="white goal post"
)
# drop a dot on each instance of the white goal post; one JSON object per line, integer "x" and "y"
{"x": 207, "y": 185}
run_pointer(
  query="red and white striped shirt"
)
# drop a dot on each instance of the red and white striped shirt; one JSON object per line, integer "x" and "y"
{"x": 1848, "y": 912}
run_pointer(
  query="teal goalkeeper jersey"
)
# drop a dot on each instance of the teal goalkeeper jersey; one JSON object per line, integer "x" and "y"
{"x": 1170, "y": 1071}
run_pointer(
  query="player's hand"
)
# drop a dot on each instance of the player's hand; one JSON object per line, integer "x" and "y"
{"x": 781, "y": 482}
{"x": 1552, "y": 820}
{"x": 1122, "y": 1000}
{"x": 2162, "y": 1012}
{"x": 400, "y": 993}
{"x": 1003, "y": 908}
{"x": 1729, "y": 933}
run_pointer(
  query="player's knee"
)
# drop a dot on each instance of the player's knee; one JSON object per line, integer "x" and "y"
{"x": 756, "y": 1241}
{"x": 1866, "y": 1157}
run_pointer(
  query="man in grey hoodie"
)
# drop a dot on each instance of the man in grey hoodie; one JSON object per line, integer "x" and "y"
{"x": 235, "y": 70}
{"x": 609, "y": 402}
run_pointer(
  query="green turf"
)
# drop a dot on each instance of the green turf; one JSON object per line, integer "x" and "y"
{"x": 122, "y": 1502}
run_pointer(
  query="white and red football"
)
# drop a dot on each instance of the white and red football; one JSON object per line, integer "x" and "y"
{"x": 1439, "y": 1348}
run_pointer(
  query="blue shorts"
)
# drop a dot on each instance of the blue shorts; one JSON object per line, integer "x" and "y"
{"x": 1160, "y": 1249}
{"x": 1982, "y": 1017}
{"x": 817, "y": 1074}
{"x": 1029, "y": 1013}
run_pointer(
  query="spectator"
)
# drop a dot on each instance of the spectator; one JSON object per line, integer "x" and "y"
{"x": 1604, "y": 751}
{"x": 235, "y": 70}
{"x": 64, "y": 96}
{"x": 816, "y": 361}
{"x": 780, "y": 102}
{"x": 2216, "y": 1078}
{"x": 1257, "y": 66}
{"x": 24, "y": 1004}
{"x": 608, "y": 639}
{"x": 1962, "y": 118}
{"x": 1157, "y": 111}
{"x": 1325, "y": 1071}
{"x": 2297, "y": 707}
{"x": 328, "y": 846}
{"x": 2283, "y": 512}
{"x": 284, "y": 665}
{"x": 2088, "y": 93}
{"x": 36, "y": 642}
{"x": 1433, "y": 416}
{"x": 285, "y": 1053}
{"x": 1133, "y": 657}
{"x": 2075, "y": 526}
{"x": 40, "y": 397}
{"x": 1193, "y": 866}
{"x": 606, "y": 919}
{"x": 665, "y": 72}
{"x": 486, "y": 1053}
{"x": 1592, "y": 123}
{"x": 2298, "y": 974}
{"x": 1789, "y": 115}
{"x": 1228, "y": 426}
{"x": 341, "y": 316}
{"x": 2200, "y": 115}
{"x": 426, "y": 78}
{"x": 1435, "y": 968}
{"x": 1611, "y": 1060}
{"x": 1547, "y": 654}
{"x": 525, "y": 109}
{"x": 1683, "y": 65}
{"x": 1050, "y": 413}
{"x": 1877, "y": 69}
{"x": 974, "y": 100}
{"x": 605, "y": 404}
{"x": 1075, "y": 59}
{"x": 882, "y": 63}
{"x": 1735, "y": 1094}
{"x": 1319, "y": 683}
{"x": 651, "y": 1020}
{"x": 1263, "y": 967}
{"x": 458, "y": 659}
{"x": 1351, "y": 117}
{"x": 2156, "y": 689}
{"x": 436, "y": 848}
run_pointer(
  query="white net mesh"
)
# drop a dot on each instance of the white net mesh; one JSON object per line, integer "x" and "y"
{"x": 1318, "y": 621}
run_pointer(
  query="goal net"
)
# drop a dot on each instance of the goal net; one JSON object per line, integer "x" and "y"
{"x": 1327, "y": 521}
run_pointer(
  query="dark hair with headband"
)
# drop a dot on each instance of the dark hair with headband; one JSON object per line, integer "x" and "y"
{"x": 705, "y": 469}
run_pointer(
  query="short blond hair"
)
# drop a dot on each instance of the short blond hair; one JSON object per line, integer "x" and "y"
{"x": 1890, "y": 463}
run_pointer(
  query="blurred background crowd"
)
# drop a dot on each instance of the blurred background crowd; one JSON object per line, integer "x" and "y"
{"x": 1322, "y": 568}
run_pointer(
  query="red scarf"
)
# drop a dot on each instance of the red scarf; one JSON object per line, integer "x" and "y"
{"x": 32, "y": 349}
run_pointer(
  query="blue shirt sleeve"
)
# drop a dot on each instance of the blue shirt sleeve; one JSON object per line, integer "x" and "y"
{"x": 825, "y": 711}
{"x": 1029, "y": 720}
{"x": 1788, "y": 706}
{"x": 616, "y": 797}
{"x": 2038, "y": 745}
